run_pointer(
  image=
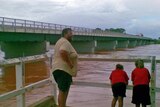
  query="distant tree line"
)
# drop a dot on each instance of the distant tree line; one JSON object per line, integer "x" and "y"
{"x": 118, "y": 30}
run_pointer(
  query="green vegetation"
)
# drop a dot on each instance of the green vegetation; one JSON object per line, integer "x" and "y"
{"x": 158, "y": 41}
{"x": 118, "y": 30}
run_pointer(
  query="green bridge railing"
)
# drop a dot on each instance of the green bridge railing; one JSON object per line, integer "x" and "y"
{"x": 19, "y": 25}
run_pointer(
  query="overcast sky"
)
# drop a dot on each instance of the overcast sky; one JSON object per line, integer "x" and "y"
{"x": 136, "y": 16}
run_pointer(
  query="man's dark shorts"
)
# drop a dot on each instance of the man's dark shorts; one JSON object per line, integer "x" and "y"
{"x": 63, "y": 80}
{"x": 119, "y": 90}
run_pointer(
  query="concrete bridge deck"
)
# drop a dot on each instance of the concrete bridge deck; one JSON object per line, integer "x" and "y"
{"x": 17, "y": 36}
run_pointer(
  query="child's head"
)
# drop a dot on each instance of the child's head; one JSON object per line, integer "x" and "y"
{"x": 119, "y": 66}
{"x": 139, "y": 63}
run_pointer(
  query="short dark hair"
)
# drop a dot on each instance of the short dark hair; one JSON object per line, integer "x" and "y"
{"x": 119, "y": 66}
{"x": 65, "y": 31}
{"x": 139, "y": 63}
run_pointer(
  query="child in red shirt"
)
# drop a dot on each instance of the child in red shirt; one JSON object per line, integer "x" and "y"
{"x": 141, "y": 78}
{"x": 119, "y": 80}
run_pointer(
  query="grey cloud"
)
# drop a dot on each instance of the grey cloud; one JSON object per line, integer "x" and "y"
{"x": 133, "y": 15}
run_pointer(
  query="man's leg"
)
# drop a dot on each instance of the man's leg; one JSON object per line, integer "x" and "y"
{"x": 64, "y": 81}
{"x": 137, "y": 105}
{"x": 120, "y": 101}
{"x": 114, "y": 101}
{"x": 143, "y": 105}
{"x": 62, "y": 98}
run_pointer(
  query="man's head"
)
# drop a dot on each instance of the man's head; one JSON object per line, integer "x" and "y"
{"x": 67, "y": 33}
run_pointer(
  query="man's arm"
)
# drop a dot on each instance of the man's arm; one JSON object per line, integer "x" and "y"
{"x": 64, "y": 55}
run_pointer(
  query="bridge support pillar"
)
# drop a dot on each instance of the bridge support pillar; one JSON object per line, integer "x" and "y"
{"x": 84, "y": 46}
{"x": 143, "y": 42}
{"x": 20, "y": 49}
{"x": 139, "y": 43}
{"x": 147, "y": 43}
{"x": 47, "y": 46}
{"x": 151, "y": 42}
{"x": 106, "y": 45}
{"x": 132, "y": 43}
{"x": 122, "y": 44}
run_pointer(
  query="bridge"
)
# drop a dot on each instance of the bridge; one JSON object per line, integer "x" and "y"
{"x": 25, "y": 37}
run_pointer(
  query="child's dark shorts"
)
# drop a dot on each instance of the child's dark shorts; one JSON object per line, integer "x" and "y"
{"x": 63, "y": 80}
{"x": 141, "y": 95}
{"x": 119, "y": 89}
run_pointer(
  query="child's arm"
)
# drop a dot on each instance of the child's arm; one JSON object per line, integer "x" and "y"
{"x": 126, "y": 78}
{"x": 110, "y": 77}
{"x": 132, "y": 77}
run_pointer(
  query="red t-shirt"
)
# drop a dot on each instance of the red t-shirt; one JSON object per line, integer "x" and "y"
{"x": 119, "y": 76}
{"x": 140, "y": 76}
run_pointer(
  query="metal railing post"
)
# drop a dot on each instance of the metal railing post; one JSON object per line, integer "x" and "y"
{"x": 20, "y": 84}
{"x": 153, "y": 81}
{"x": 25, "y": 29}
{"x": 53, "y": 84}
{"x": 55, "y": 29}
{"x": 54, "y": 91}
{"x": 34, "y": 28}
{"x": 14, "y": 25}
{"x": 49, "y": 28}
{"x": 3, "y": 24}
{"x": 41, "y": 27}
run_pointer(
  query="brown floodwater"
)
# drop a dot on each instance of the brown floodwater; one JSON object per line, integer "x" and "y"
{"x": 33, "y": 72}
{"x": 88, "y": 71}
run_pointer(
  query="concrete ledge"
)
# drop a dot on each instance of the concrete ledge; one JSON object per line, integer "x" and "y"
{"x": 45, "y": 102}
